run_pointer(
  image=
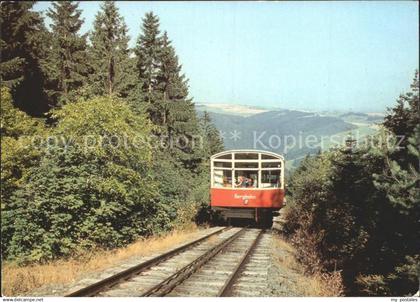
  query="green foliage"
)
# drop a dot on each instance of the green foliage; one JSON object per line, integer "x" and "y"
{"x": 214, "y": 143}
{"x": 402, "y": 120}
{"x": 105, "y": 127}
{"x": 18, "y": 153}
{"x": 93, "y": 176}
{"x": 23, "y": 44}
{"x": 309, "y": 190}
{"x": 173, "y": 182}
{"x": 113, "y": 70}
{"x": 357, "y": 210}
{"x": 148, "y": 50}
{"x": 163, "y": 95}
{"x": 82, "y": 195}
{"x": 402, "y": 184}
{"x": 17, "y": 137}
{"x": 66, "y": 64}
{"x": 15, "y": 123}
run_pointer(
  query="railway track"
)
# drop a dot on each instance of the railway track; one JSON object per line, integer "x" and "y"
{"x": 227, "y": 262}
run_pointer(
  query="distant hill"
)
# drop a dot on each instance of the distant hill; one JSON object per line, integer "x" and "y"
{"x": 292, "y": 133}
{"x": 232, "y": 109}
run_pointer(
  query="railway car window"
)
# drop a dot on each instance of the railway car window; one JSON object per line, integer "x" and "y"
{"x": 246, "y": 155}
{"x": 271, "y": 165}
{"x": 270, "y": 179}
{"x": 242, "y": 165}
{"x": 222, "y": 178}
{"x": 265, "y": 156}
{"x": 222, "y": 164}
{"x": 226, "y": 156}
{"x": 246, "y": 179}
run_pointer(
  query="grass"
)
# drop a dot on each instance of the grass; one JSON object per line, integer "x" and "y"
{"x": 20, "y": 280}
{"x": 316, "y": 285}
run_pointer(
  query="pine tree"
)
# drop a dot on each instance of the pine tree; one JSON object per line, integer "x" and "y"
{"x": 178, "y": 116}
{"x": 23, "y": 43}
{"x": 110, "y": 54}
{"x": 164, "y": 93}
{"x": 67, "y": 63}
{"x": 171, "y": 85}
{"x": 147, "y": 50}
{"x": 400, "y": 180}
{"x": 402, "y": 121}
{"x": 176, "y": 109}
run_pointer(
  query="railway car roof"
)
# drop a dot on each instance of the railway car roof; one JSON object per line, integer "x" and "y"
{"x": 247, "y": 151}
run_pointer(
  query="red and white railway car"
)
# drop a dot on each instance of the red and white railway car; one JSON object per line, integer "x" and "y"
{"x": 247, "y": 184}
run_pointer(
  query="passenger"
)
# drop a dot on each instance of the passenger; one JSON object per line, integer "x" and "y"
{"x": 240, "y": 181}
{"x": 250, "y": 182}
{"x": 244, "y": 182}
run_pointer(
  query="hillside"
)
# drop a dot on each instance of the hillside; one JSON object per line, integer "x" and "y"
{"x": 290, "y": 132}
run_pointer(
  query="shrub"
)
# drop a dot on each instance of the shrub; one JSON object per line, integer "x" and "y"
{"x": 81, "y": 196}
{"x": 17, "y": 154}
{"x": 339, "y": 219}
{"x": 372, "y": 285}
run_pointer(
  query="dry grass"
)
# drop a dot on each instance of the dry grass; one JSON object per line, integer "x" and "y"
{"x": 20, "y": 280}
{"x": 324, "y": 285}
{"x": 316, "y": 285}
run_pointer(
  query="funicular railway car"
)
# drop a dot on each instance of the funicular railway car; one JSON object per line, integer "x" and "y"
{"x": 247, "y": 184}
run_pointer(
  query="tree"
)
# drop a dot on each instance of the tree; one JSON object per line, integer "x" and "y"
{"x": 400, "y": 181}
{"x": 402, "y": 121}
{"x": 147, "y": 50}
{"x": 211, "y": 135}
{"x": 18, "y": 153}
{"x": 91, "y": 188}
{"x": 164, "y": 94}
{"x": 109, "y": 54}
{"x": 177, "y": 119}
{"x": 172, "y": 86}
{"x": 23, "y": 43}
{"x": 361, "y": 214}
{"x": 67, "y": 63}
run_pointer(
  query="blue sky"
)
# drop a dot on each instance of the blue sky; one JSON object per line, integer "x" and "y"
{"x": 302, "y": 55}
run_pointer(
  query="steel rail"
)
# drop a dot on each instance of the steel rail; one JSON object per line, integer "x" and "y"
{"x": 175, "y": 279}
{"x": 226, "y": 290}
{"x": 97, "y": 287}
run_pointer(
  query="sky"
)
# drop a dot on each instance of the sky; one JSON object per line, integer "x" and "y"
{"x": 348, "y": 55}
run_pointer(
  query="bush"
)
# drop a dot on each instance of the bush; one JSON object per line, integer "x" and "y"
{"x": 309, "y": 194}
{"x": 372, "y": 285}
{"x": 17, "y": 154}
{"x": 79, "y": 196}
{"x": 17, "y": 130}
{"x": 358, "y": 209}
{"x": 339, "y": 219}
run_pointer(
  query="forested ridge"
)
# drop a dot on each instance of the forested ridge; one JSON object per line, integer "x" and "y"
{"x": 101, "y": 143}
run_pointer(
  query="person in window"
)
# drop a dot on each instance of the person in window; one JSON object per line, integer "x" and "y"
{"x": 242, "y": 182}
{"x": 246, "y": 182}
{"x": 250, "y": 182}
